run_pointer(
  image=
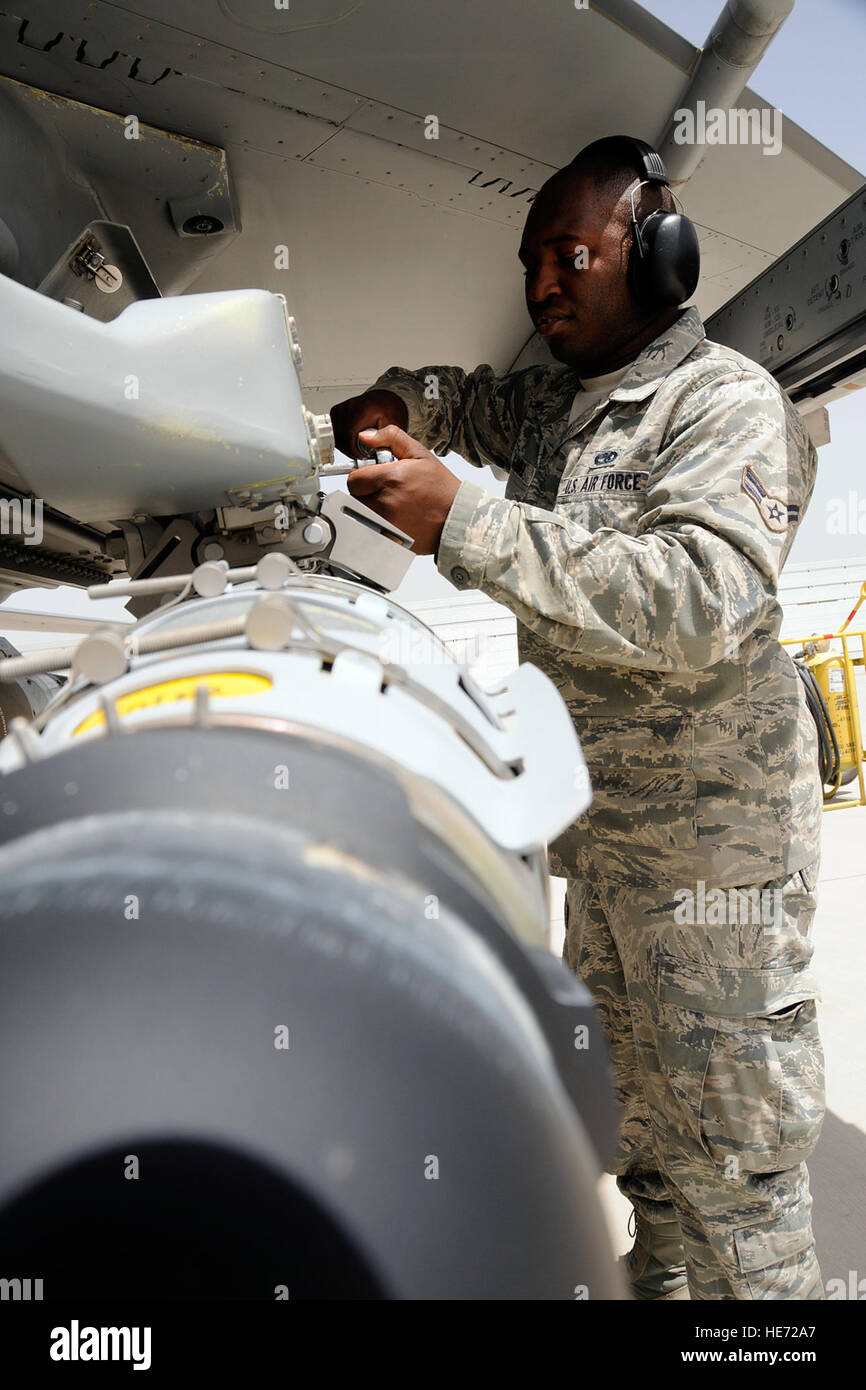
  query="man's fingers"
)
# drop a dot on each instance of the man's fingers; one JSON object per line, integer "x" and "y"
{"x": 362, "y": 482}
{"x": 391, "y": 437}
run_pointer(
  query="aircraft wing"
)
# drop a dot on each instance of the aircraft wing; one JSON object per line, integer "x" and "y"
{"x": 380, "y": 158}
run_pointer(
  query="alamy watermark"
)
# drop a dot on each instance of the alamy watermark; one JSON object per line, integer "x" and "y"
{"x": 715, "y": 125}
{"x": 405, "y": 646}
{"x": 728, "y": 907}
{"x": 21, "y": 517}
{"x": 846, "y": 516}
{"x": 77, "y": 1343}
{"x": 853, "y": 1288}
{"x": 21, "y": 1290}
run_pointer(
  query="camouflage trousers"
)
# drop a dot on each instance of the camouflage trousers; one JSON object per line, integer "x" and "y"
{"x": 718, "y": 1068}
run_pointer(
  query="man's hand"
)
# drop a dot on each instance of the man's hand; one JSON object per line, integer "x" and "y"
{"x": 372, "y": 410}
{"x": 415, "y": 492}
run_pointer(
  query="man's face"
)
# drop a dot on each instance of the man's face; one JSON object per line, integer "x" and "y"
{"x": 575, "y": 253}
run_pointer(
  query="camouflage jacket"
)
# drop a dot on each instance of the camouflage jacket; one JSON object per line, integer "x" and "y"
{"x": 640, "y": 546}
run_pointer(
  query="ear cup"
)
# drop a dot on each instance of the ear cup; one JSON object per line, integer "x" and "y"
{"x": 668, "y": 270}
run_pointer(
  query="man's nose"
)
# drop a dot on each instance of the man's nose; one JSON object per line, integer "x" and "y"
{"x": 542, "y": 284}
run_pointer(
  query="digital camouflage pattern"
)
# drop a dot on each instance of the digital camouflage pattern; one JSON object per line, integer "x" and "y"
{"x": 718, "y": 1069}
{"x": 643, "y": 574}
{"x": 639, "y": 546}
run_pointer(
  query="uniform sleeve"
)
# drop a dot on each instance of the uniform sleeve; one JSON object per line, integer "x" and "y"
{"x": 474, "y": 414}
{"x": 723, "y": 498}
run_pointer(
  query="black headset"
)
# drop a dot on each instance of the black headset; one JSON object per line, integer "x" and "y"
{"x": 665, "y": 258}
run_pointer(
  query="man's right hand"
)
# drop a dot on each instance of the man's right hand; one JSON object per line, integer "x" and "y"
{"x": 371, "y": 411}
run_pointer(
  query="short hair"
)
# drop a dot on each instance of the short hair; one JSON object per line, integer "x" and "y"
{"x": 613, "y": 164}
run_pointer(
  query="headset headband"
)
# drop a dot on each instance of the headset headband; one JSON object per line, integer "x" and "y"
{"x": 650, "y": 159}
{"x": 665, "y": 256}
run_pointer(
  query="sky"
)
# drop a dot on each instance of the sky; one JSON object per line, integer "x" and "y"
{"x": 813, "y": 72}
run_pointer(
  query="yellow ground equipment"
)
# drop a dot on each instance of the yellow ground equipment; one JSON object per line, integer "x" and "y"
{"x": 827, "y": 668}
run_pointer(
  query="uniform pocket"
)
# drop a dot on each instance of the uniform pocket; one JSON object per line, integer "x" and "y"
{"x": 740, "y": 1048}
{"x": 649, "y": 808}
{"x": 643, "y": 782}
{"x": 762, "y": 1247}
{"x": 776, "y": 1258}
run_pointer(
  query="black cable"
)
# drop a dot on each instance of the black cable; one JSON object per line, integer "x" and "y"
{"x": 828, "y": 746}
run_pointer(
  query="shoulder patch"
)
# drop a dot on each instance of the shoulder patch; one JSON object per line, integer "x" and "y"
{"x": 774, "y": 512}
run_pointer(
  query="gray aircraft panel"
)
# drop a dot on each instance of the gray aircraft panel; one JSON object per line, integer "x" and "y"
{"x": 505, "y": 71}
{"x": 321, "y": 110}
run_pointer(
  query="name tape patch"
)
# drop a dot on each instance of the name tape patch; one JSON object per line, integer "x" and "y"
{"x": 632, "y": 481}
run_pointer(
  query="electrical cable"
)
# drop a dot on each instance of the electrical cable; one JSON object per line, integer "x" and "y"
{"x": 828, "y": 747}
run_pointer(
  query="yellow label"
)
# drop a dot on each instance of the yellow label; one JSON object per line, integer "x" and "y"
{"x": 219, "y": 684}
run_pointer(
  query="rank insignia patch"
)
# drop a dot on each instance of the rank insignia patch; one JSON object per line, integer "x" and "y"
{"x": 775, "y": 513}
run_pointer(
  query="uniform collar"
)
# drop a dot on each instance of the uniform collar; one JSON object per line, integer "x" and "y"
{"x": 660, "y": 356}
{"x": 645, "y": 374}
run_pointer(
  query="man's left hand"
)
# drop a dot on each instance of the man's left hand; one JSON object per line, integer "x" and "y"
{"x": 415, "y": 492}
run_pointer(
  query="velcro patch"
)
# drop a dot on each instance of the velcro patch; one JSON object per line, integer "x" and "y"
{"x": 774, "y": 512}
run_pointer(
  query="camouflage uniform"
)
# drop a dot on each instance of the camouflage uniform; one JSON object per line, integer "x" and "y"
{"x": 639, "y": 546}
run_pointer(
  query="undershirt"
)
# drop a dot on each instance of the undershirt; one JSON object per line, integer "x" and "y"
{"x": 596, "y": 388}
